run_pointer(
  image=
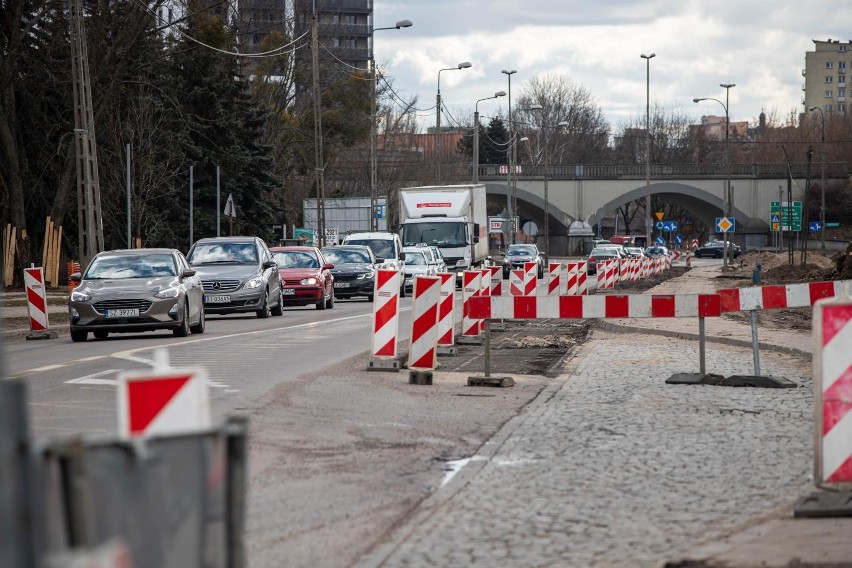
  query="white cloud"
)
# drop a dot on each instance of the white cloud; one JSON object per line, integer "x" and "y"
{"x": 759, "y": 45}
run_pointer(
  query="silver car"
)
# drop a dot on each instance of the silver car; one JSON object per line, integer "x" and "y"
{"x": 126, "y": 291}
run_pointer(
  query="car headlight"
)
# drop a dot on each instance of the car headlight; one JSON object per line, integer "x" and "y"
{"x": 365, "y": 275}
{"x": 254, "y": 283}
{"x": 309, "y": 281}
{"x": 168, "y": 293}
{"x": 80, "y": 296}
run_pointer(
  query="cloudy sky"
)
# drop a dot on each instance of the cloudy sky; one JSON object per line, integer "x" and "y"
{"x": 759, "y": 45}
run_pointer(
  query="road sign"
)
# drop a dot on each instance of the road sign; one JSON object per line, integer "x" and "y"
{"x": 828, "y": 225}
{"x": 687, "y": 220}
{"x": 660, "y": 240}
{"x": 670, "y": 226}
{"x": 165, "y": 400}
{"x": 725, "y": 224}
{"x": 784, "y": 210}
{"x": 378, "y": 211}
{"x": 660, "y": 225}
{"x": 775, "y": 221}
{"x": 495, "y": 224}
{"x": 678, "y": 239}
{"x": 530, "y": 228}
{"x": 814, "y": 226}
{"x": 660, "y": 215}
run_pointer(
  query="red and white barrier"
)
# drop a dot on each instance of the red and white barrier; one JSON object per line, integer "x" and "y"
{"x": 516, "y": 283}
{"x": 779, "y": 296}
{"x": 595, "y": 307}
{"x": 446, "y": 313}
{"x": 485, "y": 290}
{"x": 555, "y": 283}
{"x": 36, "y": 299}
{"x": 833, "y": 406}
{"x": 688, "y": 258}
{"x": 423, "y": 353}
{"x": 530, "y": 278}
{"x": 676, "y": 255}
{"x": 496, "y": 280}
{"x": 624, "y": 269}
{"x": 471, "y": 288}
{"x": 582, "y": 278}
{"x": 572, "y": 284}
{"x": 386, "y": 314}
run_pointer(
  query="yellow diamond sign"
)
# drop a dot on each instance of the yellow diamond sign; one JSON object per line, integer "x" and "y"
{"x": 724, "y": 224}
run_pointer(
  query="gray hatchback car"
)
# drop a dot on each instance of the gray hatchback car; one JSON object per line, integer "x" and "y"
{"x": 238, "y": 274}
{"x": 136, "y": 290}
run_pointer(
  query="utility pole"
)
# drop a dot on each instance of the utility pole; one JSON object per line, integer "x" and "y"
{"x": 318, "y": 154}
{"x": 90, "y": 222}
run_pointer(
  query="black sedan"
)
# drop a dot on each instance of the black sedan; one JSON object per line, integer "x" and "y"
{"x": 354, "y": 270}
{"x": 714, "y": 249}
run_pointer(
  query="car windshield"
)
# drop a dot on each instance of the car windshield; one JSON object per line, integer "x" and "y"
{"x": 131, "y": 266}
{"x": 520, "y": 251}
{"x": 633, "y": 250}
{"x": 346, "y": 256}
{"x": 225, "y": 253}
{"x": 382, "y": 248}
{"x": 448, "y": 234}
{"x": 604, "y": 252}
{"x": 295, "y": 259}
{"x": 415, "y": 259}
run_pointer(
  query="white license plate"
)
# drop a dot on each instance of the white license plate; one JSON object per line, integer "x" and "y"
{"x": 341, "y": 284}
{"x": 216, "y": 299}
{"x": 123, "y": 313}
{"x": 288, "y": 292}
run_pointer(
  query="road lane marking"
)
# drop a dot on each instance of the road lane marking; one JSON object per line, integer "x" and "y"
{"x": 94, "y": 380}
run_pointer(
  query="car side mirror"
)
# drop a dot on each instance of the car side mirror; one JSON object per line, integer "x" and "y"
{"x": 327, "y": 266}
{"x": 401, "y": 256}
{"x": 76, "y": 277}
{"x": 187, "y": 272}
{"x": 269, "y": 264}
{"x": 379, "y": 260}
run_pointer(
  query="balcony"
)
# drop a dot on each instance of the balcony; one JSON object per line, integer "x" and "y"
{"x": 841, "y": 99}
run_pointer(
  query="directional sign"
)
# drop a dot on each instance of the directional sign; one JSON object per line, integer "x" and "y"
{"x": 784, "y": 211}
{"x": 660, "y": 225}
{"x": 814, "y": 226}
{"x": 725, "y": 224}
{"x": 678, "y": 239}
{"x": 659, "y": 240}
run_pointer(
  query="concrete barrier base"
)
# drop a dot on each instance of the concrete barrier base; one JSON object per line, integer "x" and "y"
{"x": 390, "y": 364}
{"x": 824, "y": 504}
{"x": 502, "y": 382}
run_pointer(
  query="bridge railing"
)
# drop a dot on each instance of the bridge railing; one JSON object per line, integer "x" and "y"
{"x": 833, "y": 170}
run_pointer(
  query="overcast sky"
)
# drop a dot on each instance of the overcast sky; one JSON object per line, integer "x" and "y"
{"x": 759, "y": 45}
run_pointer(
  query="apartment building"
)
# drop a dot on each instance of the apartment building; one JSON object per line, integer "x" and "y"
{"x": 344, "y": 30}
{"x": 825, "y": 75}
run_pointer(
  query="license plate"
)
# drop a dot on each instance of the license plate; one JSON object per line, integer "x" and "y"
{"x": 123, "y": 313}
{"x": 216, "y": 299}
{"x": 288, "y": 291}
{"x": 341, "y": 284}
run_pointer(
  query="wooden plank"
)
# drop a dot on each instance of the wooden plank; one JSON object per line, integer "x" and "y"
{"x": 46, "y": 245}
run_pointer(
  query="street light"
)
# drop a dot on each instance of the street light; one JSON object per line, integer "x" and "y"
{"x": 462, "y": 65}
{"x": 476, "y": 133}
{"x": 510, "y": 159}
{"x": 727, "y": 196}
{"x": 647, "y": 59}
{"x": 822, "y": 186}
{"x": 374, "y": 190}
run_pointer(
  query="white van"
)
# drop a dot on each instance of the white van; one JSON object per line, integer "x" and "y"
{"x": 386, "y": 246}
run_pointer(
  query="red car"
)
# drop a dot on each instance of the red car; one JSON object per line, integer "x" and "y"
{"x": 305, "y": 277}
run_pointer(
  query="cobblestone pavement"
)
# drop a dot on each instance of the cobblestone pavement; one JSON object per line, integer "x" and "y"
{"x": 612, "y": 467}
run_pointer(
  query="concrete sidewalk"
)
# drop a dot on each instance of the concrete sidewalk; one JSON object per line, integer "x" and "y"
{"x": 609, "y": 466}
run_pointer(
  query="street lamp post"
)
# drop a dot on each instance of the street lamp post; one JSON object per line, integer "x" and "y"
{"x": 647, "y": 59}
{"x": 374, "y": 190}
{"x": 727, "y": 192}
{"x": 510, "y": 160}
{"x": 476, "y": 133}
{"x": 822, "y": 185}
{"x": 462, "y": 65}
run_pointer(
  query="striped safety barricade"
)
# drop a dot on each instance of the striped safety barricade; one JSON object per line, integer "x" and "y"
{"x": 530, "y": 278}
{"x": 384, "y": 349}
{"x": 446, "y": 313}
{"x": 832, "y": 361}
{"x": 582, "y": 278}
{"x": 516, "y": 283}
{"x": 555, "y": 282}
{"x": 572, "y": 280}
{"x": 36, "y": 300}
{"x": 485, "y": 290}
{"x": 779, "y": 296}
{"x": 423, "y": 353}
{"x": 496, "y": 280}
{"x": 471, "y": 288}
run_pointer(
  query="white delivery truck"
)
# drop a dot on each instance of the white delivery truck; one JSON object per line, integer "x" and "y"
{"x": 451, "y": 217}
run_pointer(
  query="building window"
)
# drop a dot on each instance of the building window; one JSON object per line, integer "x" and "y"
{"x": 827, "y": 108}
{"x": 337, "y": 42}
{"x": 829, "y": 64}
{"x": 842, "y": 48}
{"x": 841, "y": 92}
{"x": 828, "y": 94}
{"x": 256, "y": 39}
{"x": 829, "y": 79}
{"x": 350, "y": 19}
{"x": 841, "y": 108}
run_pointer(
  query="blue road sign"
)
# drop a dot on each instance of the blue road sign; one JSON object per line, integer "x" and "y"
{"x": 814, "y": 226}
{"x": 660, "y": 225}
{"x": 725, "y": 224}
{"x": 678, "y": 239}
{"x": 659, "y": 240}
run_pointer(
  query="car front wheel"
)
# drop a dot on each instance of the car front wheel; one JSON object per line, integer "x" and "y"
{"x": 183, "y": 330}
{"x": 265, "y": 310}
{"x": 78, "y": 336}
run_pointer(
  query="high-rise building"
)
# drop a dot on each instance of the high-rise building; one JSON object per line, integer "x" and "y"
{"x": 825, "y": 75}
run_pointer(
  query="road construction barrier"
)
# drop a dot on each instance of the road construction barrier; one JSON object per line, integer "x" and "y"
{"x": 676, "y": 255}
{"x": 779, "y": 296}
{"x": 485, "y": 291}
{"x": 423, "y": 353}
{"x": 471, "y": 288}
{"x": 595, "y": 307}
{"x": 72, "y": 267}
{"x": 582, "y": 278}
{"x": 688, "y": 258}
{"x": 36, "y": 299}
{"x": 386, "y": 314}
{"x": 832, "y": 329}
{"x": 555, "y": 283}
{"x": 496, "y": 280}
{"x": 516, "y": 283}
{"x": 530, "y": 278}
{"x": 446, "y": 312}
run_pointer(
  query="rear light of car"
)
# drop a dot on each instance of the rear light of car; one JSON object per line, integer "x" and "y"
{"x": 591, "y": 259}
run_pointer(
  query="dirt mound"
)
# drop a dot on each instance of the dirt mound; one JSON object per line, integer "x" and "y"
{"x": 776, "y": 268}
